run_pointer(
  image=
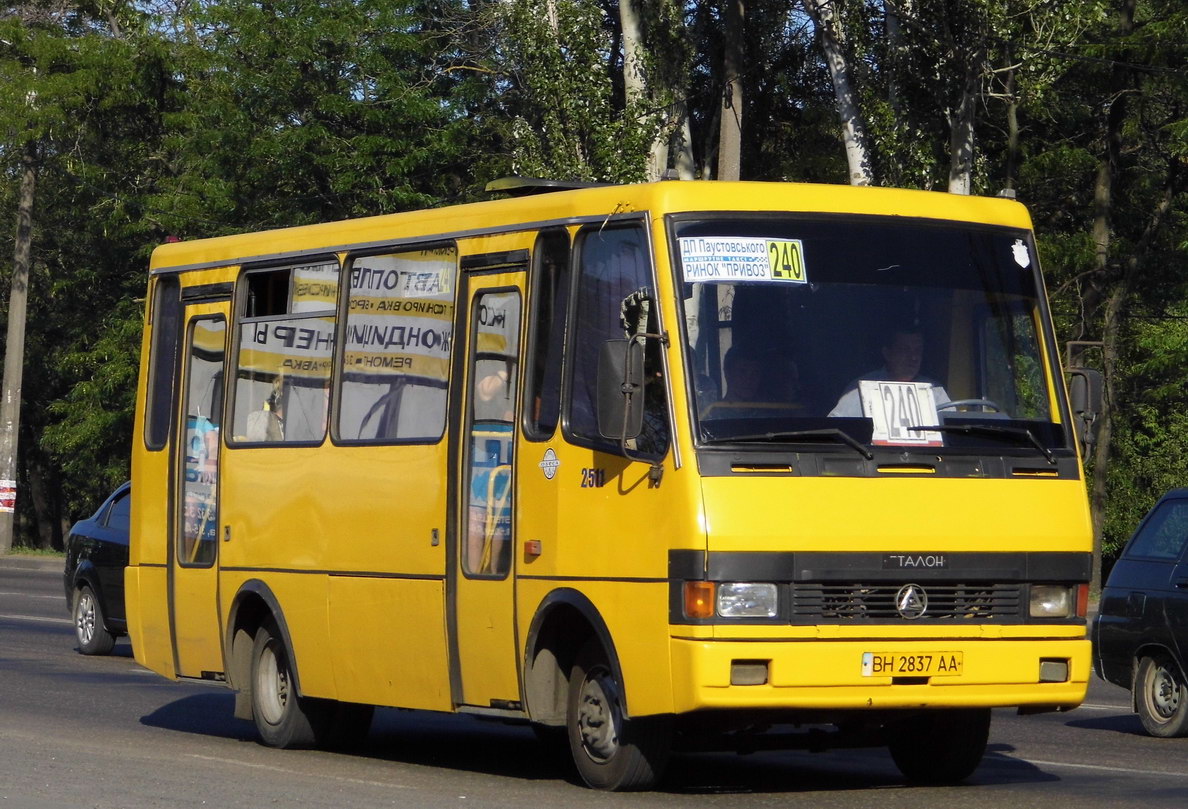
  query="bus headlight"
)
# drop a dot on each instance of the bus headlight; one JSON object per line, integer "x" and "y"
{"x": 746, "y": 600}
{"x": 1051, "y": 601}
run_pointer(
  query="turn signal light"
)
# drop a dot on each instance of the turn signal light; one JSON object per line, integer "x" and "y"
{"x": 699, "y": 599}
{"x": 1082, "y": 600}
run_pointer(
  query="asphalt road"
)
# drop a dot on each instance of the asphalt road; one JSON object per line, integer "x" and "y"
{"x": 101, "y": 733}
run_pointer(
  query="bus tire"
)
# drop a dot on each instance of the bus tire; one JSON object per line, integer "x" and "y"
{"x": 1161, "y": 697}
{"x": 283, "y": 718}
{"x": 610, "y": 751}
{"x": 93, "y": 637}
{"x": 939, "y": 747}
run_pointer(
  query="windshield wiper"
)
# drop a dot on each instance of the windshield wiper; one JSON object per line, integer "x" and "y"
{"x": 829, "y": 434}
{"x": 1020, "y": 433}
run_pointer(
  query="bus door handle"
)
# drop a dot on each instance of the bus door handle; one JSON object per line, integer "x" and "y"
{"x": 226, "y": 533}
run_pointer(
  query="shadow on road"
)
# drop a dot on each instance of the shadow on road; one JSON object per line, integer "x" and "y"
{"x": 1129, "y": 724}
{"x": 205, "y": 714}
{"x": 462, "y": 743}
{"x": 999, "y": 767}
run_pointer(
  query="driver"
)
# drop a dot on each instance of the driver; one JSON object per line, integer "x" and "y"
{"x": 903, "y": 354}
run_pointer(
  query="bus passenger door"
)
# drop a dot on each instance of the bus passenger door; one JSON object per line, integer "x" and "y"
{"x": 482, "y": 619}
{"x": 193, "y": 602}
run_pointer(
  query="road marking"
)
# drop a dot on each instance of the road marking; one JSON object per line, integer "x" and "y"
{"x": 1102, "y": 767}
{"x": 26, "y": 595}
{"x": 287, "y": 771}
{"x": 38, "y": 619}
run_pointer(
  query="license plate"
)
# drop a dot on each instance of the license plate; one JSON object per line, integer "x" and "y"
{"x": 900, "y": 664}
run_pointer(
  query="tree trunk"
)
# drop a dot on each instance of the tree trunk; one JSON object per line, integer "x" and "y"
{"x": 14, "y": 348}
{"x": 961, "y": 129}
{"x": 730, "y": 129}
{"x": 896, "y": 50}
{"x": 49, "y": 532}
{"x": 1103, "y": 193}
{"x": 686, "y": 166}
{"x": 1012, "y": 117}
{"x": 1103, "y": 448}
{"x": 635, "y": 85}
{"x": 853, "y": 126}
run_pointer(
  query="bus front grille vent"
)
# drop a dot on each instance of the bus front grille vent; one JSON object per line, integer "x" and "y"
{"x": 846, "y": 603}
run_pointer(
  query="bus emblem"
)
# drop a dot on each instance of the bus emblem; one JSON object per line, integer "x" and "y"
{"x": 549, "y": 464}
{"x": 911, "y": 601}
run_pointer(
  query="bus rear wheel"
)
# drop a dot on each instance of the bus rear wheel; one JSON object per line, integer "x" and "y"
{"x": 611, "y": 751}
{"x": 283, "y": 718}
{"x": 939, "y": 747}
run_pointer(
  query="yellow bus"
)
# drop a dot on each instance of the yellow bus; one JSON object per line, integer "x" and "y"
{"x": 658, "y": 467}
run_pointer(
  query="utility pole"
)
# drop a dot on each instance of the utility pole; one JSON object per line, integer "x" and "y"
{"x": 14, "y": 348}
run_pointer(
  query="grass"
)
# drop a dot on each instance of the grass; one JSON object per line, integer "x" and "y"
{"x": 20, "y": 550}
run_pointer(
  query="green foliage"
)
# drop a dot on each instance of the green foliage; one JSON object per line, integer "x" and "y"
{"x": 303, "y": 111}
{"x": 92, "y": 423}
{"x": 568, "y": 121}
{"x": 196, "y": 119}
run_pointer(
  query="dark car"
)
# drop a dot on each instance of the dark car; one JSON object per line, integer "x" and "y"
{"x": 1141, "y": 632}
{"x": 96, "y": 555}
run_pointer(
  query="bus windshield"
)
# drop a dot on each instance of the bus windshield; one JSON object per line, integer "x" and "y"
{"x": 867, "y": 332}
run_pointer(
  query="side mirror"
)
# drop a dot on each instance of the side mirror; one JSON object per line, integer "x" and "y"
{"x": 620, "y": 389}
{"x": 1086, "y": 396}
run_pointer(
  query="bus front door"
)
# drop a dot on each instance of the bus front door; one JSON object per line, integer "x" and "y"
{"x": 193, "y": 602}
{"x": 483, "y": 635}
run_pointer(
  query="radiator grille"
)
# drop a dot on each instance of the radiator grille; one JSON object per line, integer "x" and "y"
{"x": 857, "y": 602}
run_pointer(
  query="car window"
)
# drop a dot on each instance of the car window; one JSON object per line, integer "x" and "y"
{"x": 118, "y": 514}
{"x": 1164, "y": 533}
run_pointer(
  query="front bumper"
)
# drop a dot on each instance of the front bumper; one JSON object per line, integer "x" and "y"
{"x": 827, "y": 675}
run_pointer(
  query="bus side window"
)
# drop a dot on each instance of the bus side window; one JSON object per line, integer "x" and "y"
{"x": 166, "y": 325}
{"x": 614, "y": 264}
{"x": 396, "y": 351}
{"x": 550, "y": 299}
{"x": 286, "y": 345}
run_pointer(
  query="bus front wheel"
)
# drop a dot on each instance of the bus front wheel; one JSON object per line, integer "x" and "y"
{"x": 283, "y": 718}
{"x": 610, "y": 750}
{"x": 939, "y": 747}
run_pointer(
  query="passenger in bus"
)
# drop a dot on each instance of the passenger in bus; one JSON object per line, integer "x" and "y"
{"x": 743, "y": 368}
{"x": 493, "y": 398}
{"x": 267, "y": 425}
{"x": 488, "y": 532}
{"x": 903, "y": 355}
{"x": 767, "y": 381}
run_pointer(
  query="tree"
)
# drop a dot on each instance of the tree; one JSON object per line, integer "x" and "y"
{"x": 55, "y": 70}
{"x": 853, "y": 121}
{"x": 1126, "y": 107}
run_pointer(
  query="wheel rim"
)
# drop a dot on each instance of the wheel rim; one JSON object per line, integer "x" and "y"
{"x": 84, "y": 618}
{"x": 1163, "y": 693}
{"x": 600, "y": 716}
{"x": 272, "y": 686}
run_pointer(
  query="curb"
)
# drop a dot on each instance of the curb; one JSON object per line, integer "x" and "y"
{"x": 28, "y": 562}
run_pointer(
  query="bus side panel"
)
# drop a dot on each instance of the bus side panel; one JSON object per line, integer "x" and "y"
{"x": 299, "y": 515}
{"x": 302, "y": 598}
{"x": 606, "y": 533}
{"x": 146, "y": 599}
{"x": 387, "y": 650}
{"x": 384, "y": 504}
{"x": 637, "y": 616}
{"x": 388, "y": 520}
